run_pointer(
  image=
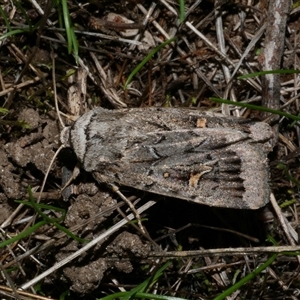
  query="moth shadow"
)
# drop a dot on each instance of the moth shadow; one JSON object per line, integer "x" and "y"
{"x": 175, "y": 222}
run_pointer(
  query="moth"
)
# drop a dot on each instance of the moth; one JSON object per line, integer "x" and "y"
{"x": 202, "y": 157}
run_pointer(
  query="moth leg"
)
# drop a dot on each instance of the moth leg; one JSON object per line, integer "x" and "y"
{"x": 116, "y": 190}
{"x": 67, "y": 178}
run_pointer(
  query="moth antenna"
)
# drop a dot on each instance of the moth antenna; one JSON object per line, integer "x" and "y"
{"x": 61, "y": 123}
{"x": 48, "y": 171}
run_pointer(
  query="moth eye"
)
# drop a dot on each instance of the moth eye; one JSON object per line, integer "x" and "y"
{"x": 117, "y": 177}
{"x": 209, "y": 157}
{"x": 119, "y": 155}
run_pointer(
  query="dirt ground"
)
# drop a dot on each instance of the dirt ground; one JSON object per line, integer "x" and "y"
{"x": 36, "y": 67}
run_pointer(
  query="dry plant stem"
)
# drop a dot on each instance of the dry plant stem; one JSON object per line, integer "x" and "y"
{"x": 186, "y": 268}
{"x": 202, "y": 90}
{"x": 58, "y": 236}
{"x": 216, "y": 265}
{"x": 42, "y": 13}
{"x": 239, "y": 251}
{"x": 100, "y": 238}
{"x": 16, "y": 259}
{"x": 252, "y": 43}
{"x": 275, "y": 276}
{"x": 54, "y": 195}
{"x": 250, "y": 238}
{"x": 138, "y": 36}
{"x": 226, "y": 72}
{"x": 20, "y": 85}
{"x": 44, "y": 20}
{"x": 217, "y": 276}
{"x": 9, "y": 281}
{"x": 110, "y": 92}
{"x": 183, "y": 53}
{"x": 37, "y": 43}
{"x": 282, "y": 220}
{"x": 198, "y": 72}
{"x": 145, "y": 22}
{"x": 116, "y": 190}
{"x": 192, "y": 8}
{"x": 2, "y": 84}
{"x": 62, "y": 39}
{"x": 273, "y": 51}
{"x": 102, "y": 51}
{"x": 288, "y": 143}
{"x": 48, "y": 171}
{"x": 169, "y": 7}
{"x": 27, "y": 61}
{"x": 155, "y": 24}
{"x": 8, "y": 221}
{"x": 55, "y": 91}
{"x": 222, "y": 55}
{"x": 11, "y": 253}
{"x": 148, "y": 13}
{"x": 283, "y": 223}
{"x": 102, "y": 36}
{"x": 25, "y": 294}
{"x": 99, "y": 23}
{"x": 179, "y": 91}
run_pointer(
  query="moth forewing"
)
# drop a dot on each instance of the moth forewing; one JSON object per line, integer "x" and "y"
{"x": 232, "y": 176}
{"x": 255, "y": 176}
{"x": 165, "y": 151}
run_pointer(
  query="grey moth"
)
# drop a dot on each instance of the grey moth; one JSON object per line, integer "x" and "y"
{"x": 202, "y": 157}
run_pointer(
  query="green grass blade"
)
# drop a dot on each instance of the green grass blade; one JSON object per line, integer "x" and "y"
{"x": 283, "y": 167}
{"x": 53, "y": 221}
{"x": 145, "y": 60}
{"x": 75, "y": 44}
{"x": 141, "y": 287}
{"x": 181, "y": 11}
{"x": 268, "y": 72}
{"x": 24, "y": 13}
{"x": 71, "y": 37}
{"x": 4, "y": 110}
{"x": 147, "y": 283}
{"x": 257, "y": 107}
{"x": 142, "y": 296}
{"x": 13, "y": 32}
{"x": 41, "y": 205}
{"x": 10, "y": 123}
{"x": 246, "y": 279}
{"x": 67, "y": 22}
{"x": 4, "y": 16}
{"x": 23, "y": 234}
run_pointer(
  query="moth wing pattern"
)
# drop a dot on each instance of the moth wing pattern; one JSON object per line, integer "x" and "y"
{"x": 201, "y": 157}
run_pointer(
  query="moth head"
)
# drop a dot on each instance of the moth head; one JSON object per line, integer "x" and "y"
{"x": 65, "y": 137}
